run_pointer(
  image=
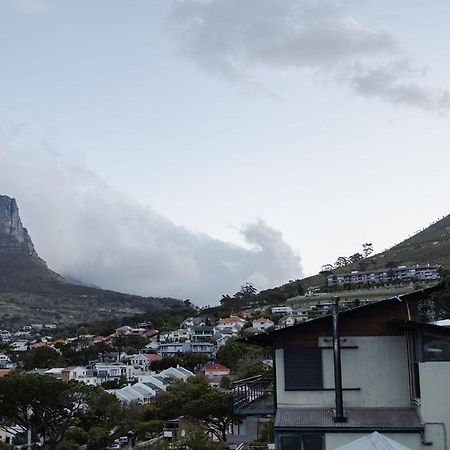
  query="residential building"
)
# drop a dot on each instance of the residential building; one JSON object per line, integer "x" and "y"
{"x": 281, "y": 310}
{"x": 5, "y": 361}
{"x": 401, "y": 273}
{"x": 215, "y": 372}
{"x": 230, "y": 323}
{"x": 19, "y": 346}
{"x": 136, "y": 394}
{"x": 286, "y": 321}
{"x": 144, "y": 360}
{"x": 193, "y": 321}
{"x": 73, "y": 373}
{"x": 105, "y": 372}
{"x": 262, "y": 324}
{"x": 177, "y": 373}
{"x": 171, "y": 349}
{"x": 394, "y": 371}
{"x": 202, "y": 332}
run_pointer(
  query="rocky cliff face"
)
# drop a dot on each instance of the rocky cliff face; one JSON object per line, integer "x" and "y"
{"x": 14, "y": 238}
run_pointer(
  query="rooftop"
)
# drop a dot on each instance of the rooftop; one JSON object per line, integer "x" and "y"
{"x": 361, "y": 419}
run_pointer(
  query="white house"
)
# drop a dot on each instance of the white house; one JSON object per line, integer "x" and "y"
{"x": 178, "y": 373}
{"x": 230, "y": 322}
{"x": 281, "y": 310}
{"x": 286, "y": 321}
{"x": 262, "y": 324}
{"x": 144, "y": 360}
{"x": 5, "y": 361}
{"x": 138, "y": 393}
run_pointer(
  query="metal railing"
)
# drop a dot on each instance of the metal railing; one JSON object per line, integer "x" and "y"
{"x": 250, "y": 389}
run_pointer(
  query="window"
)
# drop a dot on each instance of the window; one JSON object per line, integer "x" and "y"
{"x": 436, "y": 348}
{"x": 302, "y": 369}
{"x": 300, "y": 442}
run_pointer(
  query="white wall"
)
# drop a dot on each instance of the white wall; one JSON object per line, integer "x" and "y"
{"x": 435, "y": 401}
{"x": 378, "y": 367}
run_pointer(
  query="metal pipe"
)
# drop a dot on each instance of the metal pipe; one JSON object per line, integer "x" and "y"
{"x": 339, "y": 417}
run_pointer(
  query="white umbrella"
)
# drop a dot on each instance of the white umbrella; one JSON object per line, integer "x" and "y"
{"x": 374, "y": 441}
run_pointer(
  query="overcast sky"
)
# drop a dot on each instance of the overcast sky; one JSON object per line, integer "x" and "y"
{"x": 185, "y": 147}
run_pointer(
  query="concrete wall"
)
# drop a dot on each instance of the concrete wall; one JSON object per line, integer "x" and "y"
{"x": 435, "y": 402}
{"x": 410, "y": 440}
{"x": 379, "y": 367}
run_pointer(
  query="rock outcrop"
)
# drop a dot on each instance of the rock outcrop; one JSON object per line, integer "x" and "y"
{"x": 14, "y": 238}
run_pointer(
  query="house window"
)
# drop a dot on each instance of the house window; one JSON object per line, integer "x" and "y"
{"x": 436, "y": 348}
{"x": 303, "y": 369}
{"x": 300, "y": 442}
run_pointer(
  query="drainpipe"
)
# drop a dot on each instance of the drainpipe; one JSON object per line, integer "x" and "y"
{"x": 339, "y": 417}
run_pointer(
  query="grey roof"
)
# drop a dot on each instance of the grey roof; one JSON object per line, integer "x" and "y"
{"x": 363, "y": 419}
{"x": 203, "y": 328}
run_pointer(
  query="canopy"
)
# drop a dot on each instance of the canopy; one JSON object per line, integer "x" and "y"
{"x": 374, "y": 441}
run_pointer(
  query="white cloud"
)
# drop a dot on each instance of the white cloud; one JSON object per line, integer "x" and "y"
{"x": 85, "y": 229}
{"x": 236, "y": 38}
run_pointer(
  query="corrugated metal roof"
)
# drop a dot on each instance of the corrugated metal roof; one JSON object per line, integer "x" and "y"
{"x": 382, "y": 419}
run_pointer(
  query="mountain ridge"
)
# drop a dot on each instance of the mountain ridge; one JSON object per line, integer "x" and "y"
{"x": 30, "y": 291}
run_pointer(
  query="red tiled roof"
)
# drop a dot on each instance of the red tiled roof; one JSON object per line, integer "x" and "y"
{"x": 215, "y": 366}
{"x": 262, "y": 320}
{"x": 151, "y": 356}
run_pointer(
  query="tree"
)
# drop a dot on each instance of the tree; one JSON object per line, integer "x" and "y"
{"x": 367, "y": 249}
{"x": 326, "y": 268}
{"x": 42, "y": 358}
{"x": 215, "y": 410}
{"x": 356, "y": 257}
{"x": 197, "y": 400}
{"x": 42, "y": 404}
{"x": 192, "y": 360}
{"x": 341, "y": 261}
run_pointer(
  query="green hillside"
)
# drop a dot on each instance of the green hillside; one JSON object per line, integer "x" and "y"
{"x": 429, "y": 246}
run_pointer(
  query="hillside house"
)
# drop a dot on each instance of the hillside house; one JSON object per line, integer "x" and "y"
{"x": 5, "y": 361}
{"x": 281, "y": 310}
{"x": 262, "y": 324}
{"x": 215, "y": 372}
{"x": 393, "y": 379}
{"x": 286, "y": 321}
{"x": 202, "y": 333}
{"x": 401, "y": 273}
{"x": 136, "y": 394}
{"x": 172, "y": 349}
{"x": 144, "y": 360}
{"x": 232, "y": 322}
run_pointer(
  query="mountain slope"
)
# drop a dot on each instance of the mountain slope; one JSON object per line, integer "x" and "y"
{"x": 429, "y": 246}
{"x": 31, "y": 292}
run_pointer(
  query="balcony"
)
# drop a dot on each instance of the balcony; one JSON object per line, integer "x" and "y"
{"x": 253, "y": 396}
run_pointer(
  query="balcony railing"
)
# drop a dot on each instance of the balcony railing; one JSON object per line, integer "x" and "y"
{"x": 256, "y": 391}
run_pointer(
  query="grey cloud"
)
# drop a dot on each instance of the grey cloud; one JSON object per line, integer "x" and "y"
{"x": 85, "y": 229}
{"x": 234, "y": 38}
{"x": 385, "y": 85}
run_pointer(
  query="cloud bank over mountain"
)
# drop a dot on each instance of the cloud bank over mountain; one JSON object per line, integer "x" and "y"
{"x": 237, "y": 38}
{"x": 83, "y": 228}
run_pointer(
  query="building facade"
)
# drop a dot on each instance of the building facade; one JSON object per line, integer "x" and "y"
{"x": 395, "y": 372}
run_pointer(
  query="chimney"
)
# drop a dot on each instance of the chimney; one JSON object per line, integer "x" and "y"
{"x": 339, "y": 417}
